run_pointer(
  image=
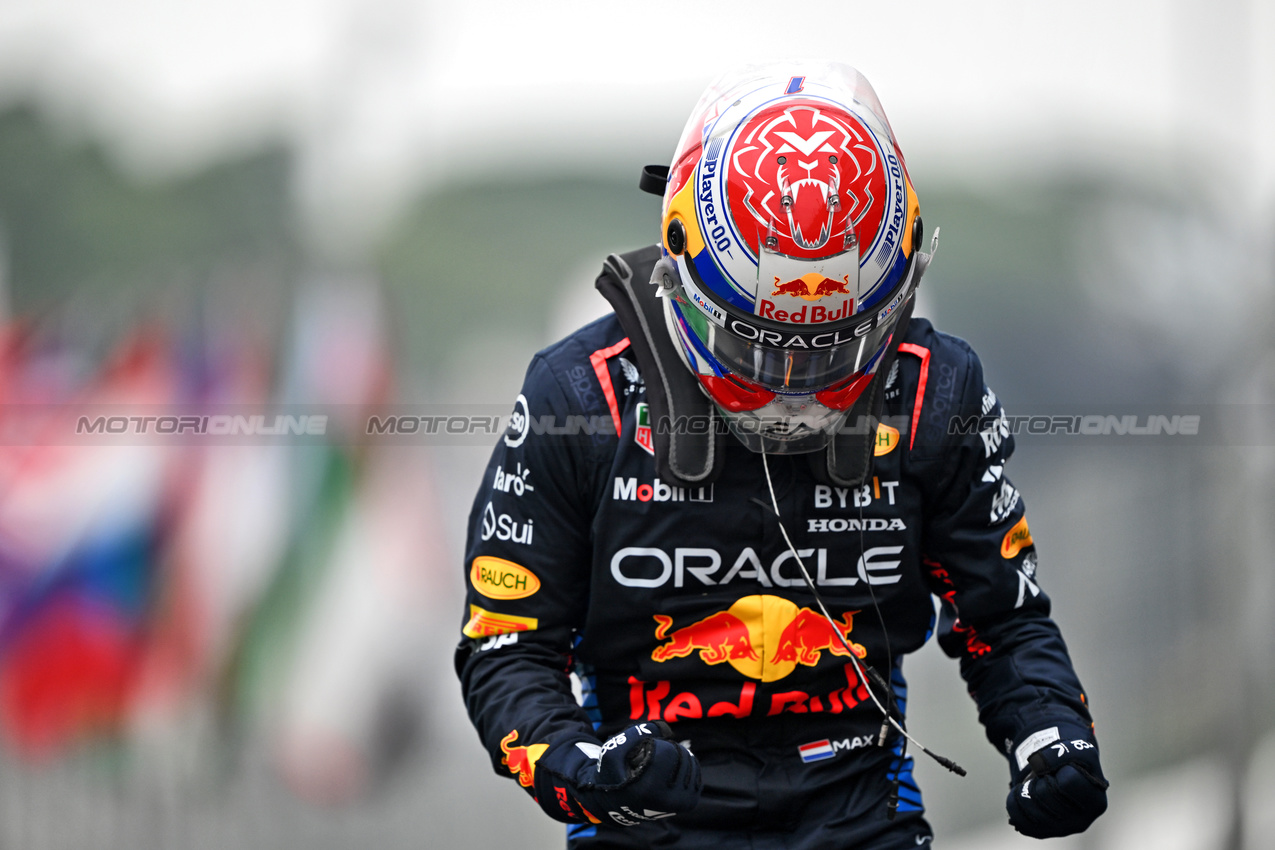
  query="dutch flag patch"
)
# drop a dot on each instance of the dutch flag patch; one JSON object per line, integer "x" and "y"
{"x": 816, "y": 751}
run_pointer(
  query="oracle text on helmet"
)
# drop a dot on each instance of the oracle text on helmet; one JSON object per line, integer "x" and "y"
{"x": 788, "y": 339}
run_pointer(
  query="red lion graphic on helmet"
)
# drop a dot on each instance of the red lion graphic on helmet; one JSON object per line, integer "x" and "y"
{"x": 802, "y": 171}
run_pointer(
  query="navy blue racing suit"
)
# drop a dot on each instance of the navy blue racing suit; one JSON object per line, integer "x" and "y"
{"x": 684, "y": 603}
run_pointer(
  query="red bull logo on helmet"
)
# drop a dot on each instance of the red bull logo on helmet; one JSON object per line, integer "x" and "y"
{"x": 812, "y": 287}
{"x": 767, "y": 309}
{"x": 763, "y": 637}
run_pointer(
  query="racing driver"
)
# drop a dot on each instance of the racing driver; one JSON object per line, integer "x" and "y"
{"x": 721, "y": 516}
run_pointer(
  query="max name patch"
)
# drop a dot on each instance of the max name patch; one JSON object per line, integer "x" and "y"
{"x": 826, "y": 749}
{"x": 497, "y": 578}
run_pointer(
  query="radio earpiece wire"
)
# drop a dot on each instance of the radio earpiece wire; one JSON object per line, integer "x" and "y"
{"x": 871, "y": 673}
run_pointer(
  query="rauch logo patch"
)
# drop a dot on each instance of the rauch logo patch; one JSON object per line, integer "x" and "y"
{"x": 497, "y": 578}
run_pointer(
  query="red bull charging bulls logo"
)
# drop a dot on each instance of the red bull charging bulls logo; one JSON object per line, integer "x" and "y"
{"x": 521, "y": 761}
{"x": 812, "y": 287}
{"x": 746, "y": 637}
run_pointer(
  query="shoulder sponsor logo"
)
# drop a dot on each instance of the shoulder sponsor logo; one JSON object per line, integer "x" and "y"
{"x": 583, "y": 381}
{"x": 497, "y": 578}
{"x": 629, "y": 490}
{"x": 642, "y": 434}
{"x": 995, "y": 433}
{"x": 1025, "y": 583}
{"x": 505, "y": 527}
{"x": 519, "y": 423}
{"x": 630, "y": 371}
{"x": 512, "y": 482}
{"x": 1003, "y": 502}
{"x": 484, "y": 623}
{"x": 989, "y": 400}
{"x": 648, "y": 567}
{"x": 826, "y": 749}
{"x": 632, "y": 377}
{"x": 497, "y": 641}
{"x": 887, "y": 440}
{"x": 1016, "y": 539}
{"x": 935, "y": 420}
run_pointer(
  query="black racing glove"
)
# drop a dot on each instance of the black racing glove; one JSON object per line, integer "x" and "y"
{"x": 1058, "y": 786}
{"x": 638, "y": 775}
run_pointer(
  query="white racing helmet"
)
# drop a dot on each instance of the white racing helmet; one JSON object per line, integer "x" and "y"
{"x": 790, "y": 237}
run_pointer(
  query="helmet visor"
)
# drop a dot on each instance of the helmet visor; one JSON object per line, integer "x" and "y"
{"x": 789, "y": 362}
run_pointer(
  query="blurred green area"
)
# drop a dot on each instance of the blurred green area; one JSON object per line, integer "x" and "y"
{"x": 486, "y": 256}
{"x": 81, "y": 234}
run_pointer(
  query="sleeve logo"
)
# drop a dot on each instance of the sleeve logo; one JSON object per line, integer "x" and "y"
{"x": 887, "y": 440}
{"x": 497, "y": 578}
{"x": 1016, "y": 539}
{"x": 521, "y": 761}
{"x": 642, "y": 435}
{"x": 484, "y": 623}
{"x": 519, "y": 423}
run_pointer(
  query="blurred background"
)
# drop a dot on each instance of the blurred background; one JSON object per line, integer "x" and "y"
{"x": 230, "y": 205}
